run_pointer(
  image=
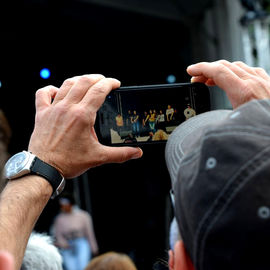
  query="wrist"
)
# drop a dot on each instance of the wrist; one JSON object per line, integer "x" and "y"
{"x": 26, "y": 163}
{"x": 33, "y": 187}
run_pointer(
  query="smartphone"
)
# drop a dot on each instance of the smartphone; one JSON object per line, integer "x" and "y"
{"x": 148, "y": 114}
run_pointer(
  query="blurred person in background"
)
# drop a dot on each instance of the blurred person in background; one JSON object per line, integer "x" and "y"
{"x": 74, "y": 234}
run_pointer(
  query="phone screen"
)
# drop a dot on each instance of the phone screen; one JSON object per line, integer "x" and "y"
{"x": 149, "y": 114}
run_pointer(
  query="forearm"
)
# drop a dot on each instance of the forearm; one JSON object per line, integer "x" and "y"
{"x": 21, "y": 203}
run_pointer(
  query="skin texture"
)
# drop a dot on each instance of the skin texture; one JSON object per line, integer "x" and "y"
{"x": 240, "y": 82}
{"x": 21, "y": 203}
{"x": 64, "y": 137}
{"x": 179, "y": 259}
{"x": 6, "y": 261}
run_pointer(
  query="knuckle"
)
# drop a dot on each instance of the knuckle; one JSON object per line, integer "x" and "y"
{"x": 69, "y": 82}
{"x": 259, "y": 70}
{"x": 99, "y": 89}
{"x": 78, "y": 112}
{"x": 223, "y": 62}
{"x": 221, "y": 68}
{"x": 97, "y": 76}
{"x": 80, "y": 116}
{"x": 61, "y": 108}
{"x": 85, "y": 79}
{"x": 90, "y": 79}
{"x": 238, "y": 63}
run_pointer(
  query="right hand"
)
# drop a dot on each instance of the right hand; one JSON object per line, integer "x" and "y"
{"x": 241, "y": 82}
{"x": 64, "y": 134}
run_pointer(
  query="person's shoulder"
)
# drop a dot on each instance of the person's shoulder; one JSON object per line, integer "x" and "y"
{"x": 59, "y": 217}
{"x": 81, "y": 212}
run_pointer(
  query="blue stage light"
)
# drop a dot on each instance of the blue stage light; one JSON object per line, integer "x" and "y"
{"x": 171, "y": 79}
{"x": 45, "y": 73}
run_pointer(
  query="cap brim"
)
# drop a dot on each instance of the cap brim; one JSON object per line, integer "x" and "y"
{"x": 186, "y": 136}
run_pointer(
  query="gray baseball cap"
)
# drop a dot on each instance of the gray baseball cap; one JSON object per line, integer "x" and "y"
{"x": 219, "y": 164}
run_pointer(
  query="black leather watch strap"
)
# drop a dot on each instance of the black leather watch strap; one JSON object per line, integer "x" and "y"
{"x": 47, "y": 171}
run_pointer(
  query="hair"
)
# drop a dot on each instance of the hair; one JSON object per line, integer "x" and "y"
{"x": 5, "y": 134}
{"x": 5, "y": 130}
{"x": 69, "y": 196}
{"x": 160, "y": 135}
{"x": 41, "y": 254}
{"x": 111, "y": 261}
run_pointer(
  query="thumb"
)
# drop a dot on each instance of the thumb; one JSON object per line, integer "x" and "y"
{"x": 122, "y": 154}
{"x": 6, "y": 261}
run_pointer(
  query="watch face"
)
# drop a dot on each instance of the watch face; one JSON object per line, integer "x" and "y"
{"x": 15, "y": 164}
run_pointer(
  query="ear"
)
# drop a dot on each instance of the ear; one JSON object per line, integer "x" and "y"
{"x": 179, "y": 259}
{"x": 171, "y": 260}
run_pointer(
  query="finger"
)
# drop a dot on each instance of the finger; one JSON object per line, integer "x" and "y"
{"x": 253, "y": 70}
{"x": 220, "y": 75}
{"x": 237, "y": 69}
{"x": 262, "y": 73}
{"x": 122, "y": 154}
{"x": 44, "y": 96}
{"x": 202, "y": 79}
{"x": 75, "y": 87}
{"x": 6, "y": 261}
{"x": 210, "y": 82}
{"x": 81, "y": 86}
{"x": 96, "y": 95}
{"x": 65, "y": 87}
{"x": 245, "y": 67}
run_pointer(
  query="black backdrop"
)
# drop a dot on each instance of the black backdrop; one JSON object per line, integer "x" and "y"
{"x": 129, "y": 201}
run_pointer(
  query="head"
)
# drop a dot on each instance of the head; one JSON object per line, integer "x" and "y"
{"x": 66, "y": 202}
{"x": 111, "y": 261}
{"x": 219, "y": 163}
{"x": 41, "y": 254}
{"x": 160, "y": 135}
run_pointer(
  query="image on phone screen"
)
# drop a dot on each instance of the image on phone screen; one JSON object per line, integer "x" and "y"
{"x": 149, "y": 114}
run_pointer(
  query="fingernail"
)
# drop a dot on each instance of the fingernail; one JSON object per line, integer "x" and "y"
{"x": 117, "y": 81}
{"x": 192, "y": 79}
{"x": 137, "y": 154}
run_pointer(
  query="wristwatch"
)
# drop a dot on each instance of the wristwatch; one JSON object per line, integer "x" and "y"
{"x": 24, "y": 163}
